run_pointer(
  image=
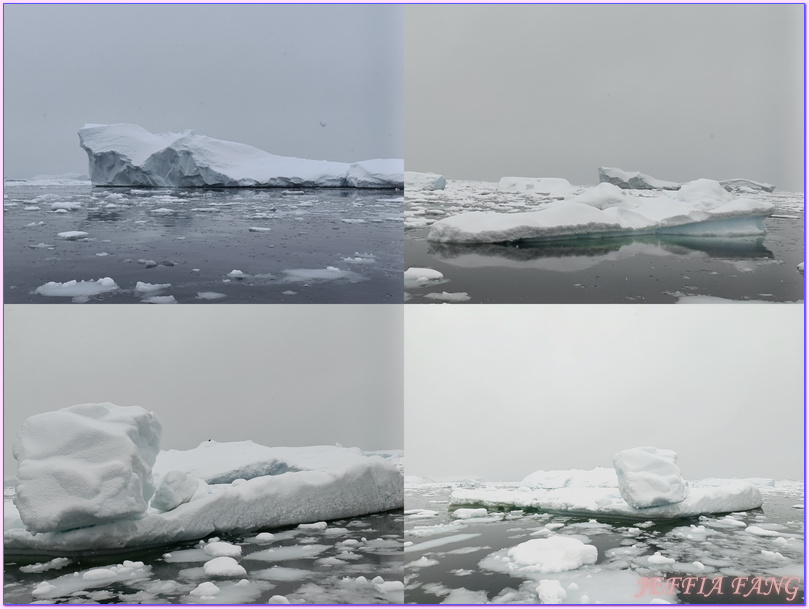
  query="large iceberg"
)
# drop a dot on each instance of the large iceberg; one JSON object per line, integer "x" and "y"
{"x": 127, "y": 155}
{"x": 214, "y": 488}
{"x": 699, "y": 208}
{"x": 646, "y": 484}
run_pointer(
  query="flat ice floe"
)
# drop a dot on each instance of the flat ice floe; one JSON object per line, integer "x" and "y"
{"x": 699, "y": 208}
{"x": 239, "y": 486}
{"x": 128, "y": 155}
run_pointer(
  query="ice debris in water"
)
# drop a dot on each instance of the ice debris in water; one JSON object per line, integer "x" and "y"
{"x": 415, "y": 277}
{"x": 77, "y": 289}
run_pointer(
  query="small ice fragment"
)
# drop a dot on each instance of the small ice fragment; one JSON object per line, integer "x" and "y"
{"x": 72, "y": 235}
{"x": 210, "y": 295}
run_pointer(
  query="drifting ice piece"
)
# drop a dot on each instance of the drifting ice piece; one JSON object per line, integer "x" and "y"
{"x": 424, "y": 181}
{"x": 649, "y": 477}
{"x": 128, "y": 155}
{"x": 633, "y": 179}
{"x": 259, "y": 487}
{"x": 85, "y": 465}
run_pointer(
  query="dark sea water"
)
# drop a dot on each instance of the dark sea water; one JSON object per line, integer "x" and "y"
{"x": 643, "y": 269}
{"x": 311, "y": 246}
{"x": 355, "y": 560}
{"x": 454, "y": 569}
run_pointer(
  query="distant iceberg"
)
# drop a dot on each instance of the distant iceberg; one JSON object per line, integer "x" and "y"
{"x": 128, "y": 155}
{"x": 646, "y": 484}
{"x": 698, "y": 208}
{"x": 91, "y": 479}
{"x": 415, "y": 180}
{"x": 638, "y": 180}
{"x": 549, "y": 187}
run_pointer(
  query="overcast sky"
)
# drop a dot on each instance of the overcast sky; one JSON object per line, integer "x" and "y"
{"x": 502, "y": 391}
{"x": 264, "y": 75}
{"x": 278, "y": 375}
{"x": 678, "y": 92}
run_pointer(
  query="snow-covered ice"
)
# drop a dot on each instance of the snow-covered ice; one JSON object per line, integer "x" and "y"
{"x": 547, "y": 187}
{"x": 241, "y": 486}
{"x": 78, "y": 289}
{"x": 539, "y": 556}
{"x": 699, "y": 208}
{"x": 633, "y": 179}
{"x": 128, "y": 155}
{"x": 648, "y": 477}
{"x": 84, "y": 465}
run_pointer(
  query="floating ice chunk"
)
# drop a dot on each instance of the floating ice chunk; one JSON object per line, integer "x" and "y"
{"x": 237, "y": 274}
{"x": 761, "y": 532}
{"x": 85, "y": 465}
{"x": 470, "y": 513}
{"x": 288, "y": 553}
{"x": 800, "y": 266}
{"x": 66, "y": 585}
{"x": 160, "y": 300}
{"x": 128, "y": 155}
{"x": 551, "y": 555}
{"x": 284, "y": 574}
{"x": 277, "y": 599}
{"x": 435, "y": 543}
{"x": 462, "y": 596}
{"x": 205, "y": 589}
{"x": 79, "y": 289}
{"x": 72, "y": 235}
{"x": 422, "y": 562}
{"x": 175, "y": 489}
{"x": 224, "y": 566}
{"x": 415, "y": 277}
{"x": 551, "y": 592}
{"x": 633, "y": 179}
{"x": 415, "y": 180}
{"x": 56, "y": 563}
{"x": 330, "y": 273}
{"x": 449, "y": 296}
{"x": 649, "y": 477}
{"x": 41, "y": 246}
{"x": 210, "y": 295}
{"x": 259, "y": 229}
{"x": 66, "y": 205}
{"x": 549, "y": 187}
{"x": 314, "y": 526}
{"x": 658, "y": 559}
{"x": 142, "y": 287}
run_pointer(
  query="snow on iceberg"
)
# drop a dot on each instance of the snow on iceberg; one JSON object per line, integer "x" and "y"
{"x": 128, "y": 155}
{"x": 549, "y": 187}
{"x": 701, "y": 207}
{"x": 415, "y": 180}
{"x": 648, "y": 477}
{"x": 242, "y": 486}
{"x": 85, "y": 465}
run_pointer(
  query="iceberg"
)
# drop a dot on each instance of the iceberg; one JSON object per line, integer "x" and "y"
{"x": 700, "y": 208}
{"x": 214, "y": 488}
{"x": 633, "y": 179}
{"x": 415, "y": 180}
{"x": 645, "y": 484}
{"x": 128, "y": 155}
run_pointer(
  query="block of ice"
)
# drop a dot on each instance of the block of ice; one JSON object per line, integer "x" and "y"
{"x": 77, "y": 289}
{"x": 551, "y": 592}
{"x": 649, "y": 477}
{"x": 551, "y": 555}
{"x": 549, "y": 187}
{"x": 415, "y": 180}
{"x": 85, "y": 465}
{"x": 279, "y": 486}
{"x": 128, "y": 155}
{"x": 633, "y": 179}
{"x": 701, "y": 207}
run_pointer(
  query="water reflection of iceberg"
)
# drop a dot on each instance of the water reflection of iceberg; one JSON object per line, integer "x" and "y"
{"x": 566, "y": 255}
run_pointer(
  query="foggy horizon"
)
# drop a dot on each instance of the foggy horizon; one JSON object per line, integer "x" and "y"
{"x": 678, "y": 92}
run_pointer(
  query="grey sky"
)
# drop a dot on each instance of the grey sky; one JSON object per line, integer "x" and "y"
{"x": 502, "y": 391}
{"x": 678, "y": 92}
{"x": 264, "y": 75}
{"x": 278, "y": 375}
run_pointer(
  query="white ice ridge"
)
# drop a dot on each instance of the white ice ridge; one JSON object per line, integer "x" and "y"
{"x": 415, "y": 180}
{"x": 699, "y": 208}
{"x": 636, "y": 179}
{"x": 128, "y": 155}
{"x": 223, "y": 487}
